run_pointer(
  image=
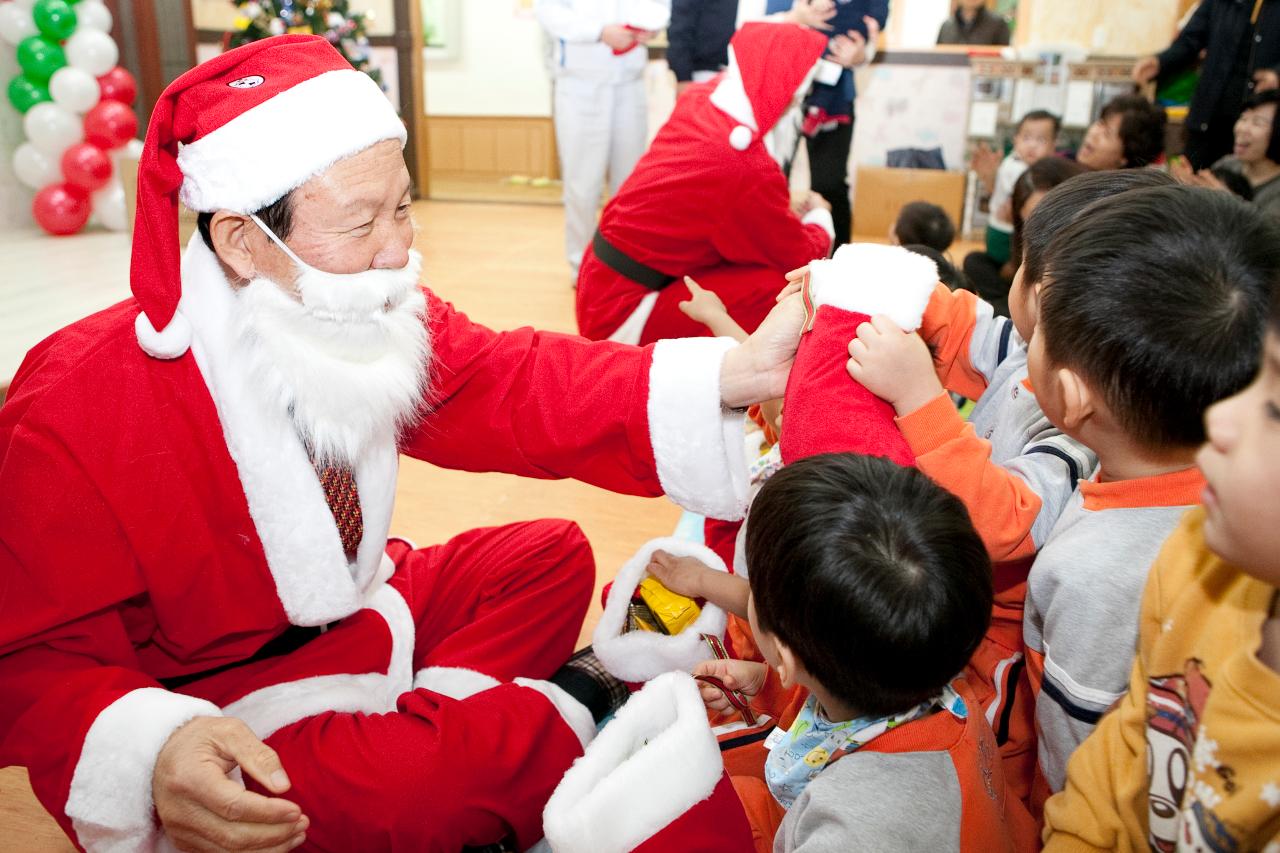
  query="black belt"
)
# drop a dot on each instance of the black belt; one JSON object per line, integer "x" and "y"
{"x": 290, "y": 640}
{"x": 625, "y": 265}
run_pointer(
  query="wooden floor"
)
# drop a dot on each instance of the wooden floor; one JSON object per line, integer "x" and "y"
{"x": 502, "y": 265}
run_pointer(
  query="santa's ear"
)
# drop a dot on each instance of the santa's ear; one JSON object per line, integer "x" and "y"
{"x": 231, "y": 234}
{"x": 1079, "y": 401}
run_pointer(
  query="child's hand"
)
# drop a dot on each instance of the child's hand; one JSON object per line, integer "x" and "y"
{"x": 681, "y": 575}
{"x": 704, "y": 306}
{"x": 894, "y": 365}
{"x": 745, "y": 676}
{"x": 985, "y": 163}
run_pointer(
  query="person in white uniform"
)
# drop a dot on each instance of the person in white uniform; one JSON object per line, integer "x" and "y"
{"x": 598, "y": 61}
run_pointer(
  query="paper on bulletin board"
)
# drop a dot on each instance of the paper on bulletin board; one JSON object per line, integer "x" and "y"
{"x": 1079, "y": 109}
{"x": 912, "y": 106}
{"x": 983, "y": 118}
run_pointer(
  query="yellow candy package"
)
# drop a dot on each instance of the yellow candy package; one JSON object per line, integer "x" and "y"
{"x": 675, "y": 612}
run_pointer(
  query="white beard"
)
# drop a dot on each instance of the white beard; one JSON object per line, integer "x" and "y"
{"x": 784, "y": 138}
{"x": 349, "y": 362}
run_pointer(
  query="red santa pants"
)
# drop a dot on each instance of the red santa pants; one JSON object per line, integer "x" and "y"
{"x": 440, "y": 773}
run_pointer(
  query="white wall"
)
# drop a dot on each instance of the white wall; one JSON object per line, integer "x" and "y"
{"x": 500, "y": 67}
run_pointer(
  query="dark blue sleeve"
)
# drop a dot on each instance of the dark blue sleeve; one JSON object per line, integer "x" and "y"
{"x": 682, "y": 36}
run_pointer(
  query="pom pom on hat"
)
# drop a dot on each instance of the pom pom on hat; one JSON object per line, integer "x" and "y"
{"x": 740, "y": 137}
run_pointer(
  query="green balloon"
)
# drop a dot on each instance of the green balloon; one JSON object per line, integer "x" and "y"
{"x": 25, "y": 94}
{"x": 39, "y": 58}
{"x": 55, "y": 19}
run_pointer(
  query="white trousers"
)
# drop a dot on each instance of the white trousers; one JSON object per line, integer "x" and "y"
{"x": 601, "y": 131}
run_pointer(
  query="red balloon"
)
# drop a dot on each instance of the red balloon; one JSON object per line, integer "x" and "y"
{"x": 110, "y": 124}
{"x": 118, "y": 85}
{"x": 86, "y": 166}
{"x": 61, "y": 209}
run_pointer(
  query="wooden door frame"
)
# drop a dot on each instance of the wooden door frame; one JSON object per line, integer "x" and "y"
{"x": 409, "y": 67}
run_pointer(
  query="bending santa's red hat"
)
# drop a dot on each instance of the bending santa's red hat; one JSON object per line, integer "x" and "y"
{"x": 210, "y": 142}
{"x": 769, "y": 65}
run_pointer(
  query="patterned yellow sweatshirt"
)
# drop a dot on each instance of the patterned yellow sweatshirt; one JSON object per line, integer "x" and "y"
{"x": 1189, "y": 759}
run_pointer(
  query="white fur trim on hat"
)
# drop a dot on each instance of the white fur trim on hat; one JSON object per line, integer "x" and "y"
{"x": 642, "y": 655}
{"x": 171, "y": 342}
{"x": 730, "y": 97}
{"x": 318, "y": 122}
{"x": 874, "y": 279}
{"x": 656, "y": 759}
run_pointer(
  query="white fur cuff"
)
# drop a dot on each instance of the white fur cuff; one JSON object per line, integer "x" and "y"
{"x": 873, "y": 279}
{"x": 109, "y": 803}
{"x": 697, "y": 444}
{"x": 642, "y": 655}
{"x": 573, "y": 712}
{"x": 654, "y": 761}
{"x": 822, "y": 217}
{"x": 453, "y": 681}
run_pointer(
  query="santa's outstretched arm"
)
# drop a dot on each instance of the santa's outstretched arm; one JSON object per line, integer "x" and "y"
{"x": 666, "y": 418}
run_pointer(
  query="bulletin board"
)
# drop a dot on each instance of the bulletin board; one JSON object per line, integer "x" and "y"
{"x": 903, "y": 105}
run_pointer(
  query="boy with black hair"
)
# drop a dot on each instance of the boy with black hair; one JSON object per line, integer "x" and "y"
{"x": 1136, "y": 339}
{"x": 923, "y": 223}
{"x": 870, "y": 589}
{"x": 1188, "y": 757}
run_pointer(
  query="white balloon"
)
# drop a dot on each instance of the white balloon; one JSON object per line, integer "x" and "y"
{"x": 15, "y": 23}
{"x": 91, "y": 51}
{"x": 133, "y": 148}
{"x": 52, "y": 129}
{"x": 34, "y": 168}
{"x": 109, "y": 207}
{"x": 93, "y": 15}
{"x": 75, "y": 89}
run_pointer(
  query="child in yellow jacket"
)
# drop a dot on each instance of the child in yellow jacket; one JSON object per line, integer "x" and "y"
{"x": 1189, "y": 759}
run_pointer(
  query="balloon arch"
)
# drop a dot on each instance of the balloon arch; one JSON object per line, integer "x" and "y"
{"x": 77, "y": 111}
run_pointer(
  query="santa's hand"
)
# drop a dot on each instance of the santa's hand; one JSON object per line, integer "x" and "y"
{"x": 681, "y": 575}
{"x": 201, "y": 809}
{"x": 894, "y": 365}
{"x": 757, "y": 369}
{"x": 744, "y": 676}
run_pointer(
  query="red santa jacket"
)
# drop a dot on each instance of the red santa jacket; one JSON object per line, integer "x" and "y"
{"x": 693, "y": 204}
{"x": 158, "y": 522}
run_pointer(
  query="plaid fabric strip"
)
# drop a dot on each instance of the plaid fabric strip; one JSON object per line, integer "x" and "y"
{"x": 340, "y": 493}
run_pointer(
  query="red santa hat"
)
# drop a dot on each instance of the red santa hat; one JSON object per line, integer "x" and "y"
{"x": 769, "y": 63}
{"x": 216, "y": 140}
{"x": 825, "y": 410}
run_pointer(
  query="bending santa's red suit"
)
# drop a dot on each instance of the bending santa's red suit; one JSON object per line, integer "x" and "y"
{"x": 708, "y": 200}
{"x": 167, "y": 550}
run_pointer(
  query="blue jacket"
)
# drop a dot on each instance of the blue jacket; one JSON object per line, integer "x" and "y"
{"x": 837, "y": 99}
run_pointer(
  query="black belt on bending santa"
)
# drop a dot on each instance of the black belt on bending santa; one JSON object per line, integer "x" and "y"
{"x": 627, "y": 266}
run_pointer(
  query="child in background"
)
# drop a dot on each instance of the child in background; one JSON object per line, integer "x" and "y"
{"x": 1032, "y": 143}
{"x": 1034, "y": 139}
{"x": 923, "y": 223}
{"x": 1189, "y": 756}
{"x": 870, "y": 589}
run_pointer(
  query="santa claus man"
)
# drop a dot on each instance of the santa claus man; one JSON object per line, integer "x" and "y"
{"x": 205, "y": 634}
{"x": 709, "y": 200}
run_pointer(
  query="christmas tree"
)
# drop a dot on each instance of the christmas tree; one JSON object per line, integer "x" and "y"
{"x": 333, "y": 19}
